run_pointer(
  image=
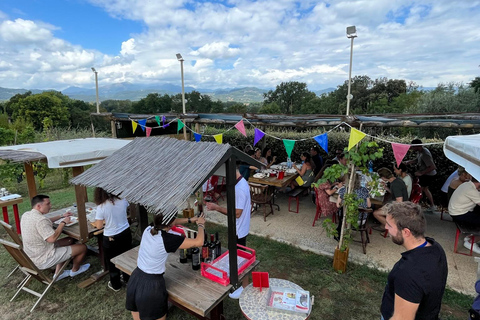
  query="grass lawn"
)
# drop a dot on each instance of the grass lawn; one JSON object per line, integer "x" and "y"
{"x": 356, "y": 294}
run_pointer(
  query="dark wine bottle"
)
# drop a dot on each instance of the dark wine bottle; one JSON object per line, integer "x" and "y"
{"x": 195, "y": 257}
{"x": 189, "y": 250}
{"x": 218, "y": 246}
{"x": 204, "y": 255}
{"x": 211, "y": 248}
{"x": 183, "y": 256}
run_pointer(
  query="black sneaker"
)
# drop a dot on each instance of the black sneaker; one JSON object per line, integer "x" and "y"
{"x": 111, "y": 287}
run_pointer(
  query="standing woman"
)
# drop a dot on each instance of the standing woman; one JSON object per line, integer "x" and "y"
{"x": 147, "y": 296}
{"x": 117, "y": 237}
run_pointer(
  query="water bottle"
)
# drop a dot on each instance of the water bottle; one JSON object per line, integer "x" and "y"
{"x": 289, "y": 163}
{"x": 363, "y": 181}
{"x": 370, "y": 166}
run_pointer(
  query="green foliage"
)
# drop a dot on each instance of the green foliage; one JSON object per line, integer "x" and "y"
{"x": 270, "y": 108}
{"x": 289, "y": 96}
{"x": 116, "y": 105}
{"x": 475, "y": 84}
{"x": 6, "y": 136}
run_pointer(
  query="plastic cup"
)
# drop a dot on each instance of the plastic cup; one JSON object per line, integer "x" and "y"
{"x": 281, "y": 174}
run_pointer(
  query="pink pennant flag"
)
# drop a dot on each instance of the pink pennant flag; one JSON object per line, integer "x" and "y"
{"x": 240, "y": 127}
{"x": 149, "y": 130}
{"x": 399, "y": 151}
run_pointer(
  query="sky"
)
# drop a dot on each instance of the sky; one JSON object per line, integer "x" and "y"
{"x": 53, "y": 44}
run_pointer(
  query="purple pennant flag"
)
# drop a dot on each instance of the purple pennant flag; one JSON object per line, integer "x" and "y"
{"x": 258, "y": 136}
{"x": 197, "y": 136}
{"x": 142, "y": 124}
{"x": 163, "y": 120}
{"x": 322, "y": 141}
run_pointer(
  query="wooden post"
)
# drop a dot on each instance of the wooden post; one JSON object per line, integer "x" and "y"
{"x": 114, "y": 129}
{"x": 231, "y": 173}
{"x": 75, "y": 172}
{"x": 32, "y": 188}
{"x": 81, "y": 198}
{"x": 142, "y": 218}
{"x": 264, "y": 140}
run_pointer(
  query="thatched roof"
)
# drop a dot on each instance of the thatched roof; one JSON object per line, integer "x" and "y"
{"x": 159, "y": 173}
{"x": 21, "y": 156}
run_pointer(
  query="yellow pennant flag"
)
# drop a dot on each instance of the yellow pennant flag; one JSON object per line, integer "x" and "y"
{"x": 219, "y": 138}
{"x": 134, "y": 126}
{"x": 355, "y": 137}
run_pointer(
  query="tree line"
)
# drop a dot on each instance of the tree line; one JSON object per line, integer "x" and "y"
{"x": 54, "y": 109}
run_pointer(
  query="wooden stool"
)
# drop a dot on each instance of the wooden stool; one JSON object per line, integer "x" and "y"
{"x": 294, "y": 195}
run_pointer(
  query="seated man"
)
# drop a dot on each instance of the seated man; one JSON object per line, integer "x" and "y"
{"x": 464, "y": 207}
{"x": 40, "y": 240}
{"x": 402, "y": 172}
{"x": 397, "y": 190}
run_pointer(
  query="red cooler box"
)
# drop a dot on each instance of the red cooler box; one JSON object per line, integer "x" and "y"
{"x": 219, "y": 269}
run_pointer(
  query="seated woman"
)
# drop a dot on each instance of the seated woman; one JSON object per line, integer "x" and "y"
{"x": 323, "y": 193}
{"x": 306, "y": 172}
{"x": 267, "y": 158}
{"x": 362, "y": 193}
{"x": 462, "y": 177}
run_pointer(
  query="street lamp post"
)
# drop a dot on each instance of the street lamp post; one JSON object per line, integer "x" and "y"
{"x": 180, "y": 58}
{"x": 351, "y": 33}
{"x": 96, "y": 86}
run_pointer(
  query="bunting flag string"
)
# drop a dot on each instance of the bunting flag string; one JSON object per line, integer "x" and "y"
{"x": 289, "y": 146}
{"x": 218, "y": 138}
{"x": 134, "y": 126}
{"x": 142, "y": 124}
{"x": 241, "y": 127}
{"x": 180, "y": 125}
{"x": 197, "y": 136}
{"x": 149, "y": 131}
{"x": 258, "y": 136}
{"x": 157, "y": 118}
{"x": 400, "y": 151}
{"x": 322, "y": 140}
{"x": 355, "y": 137}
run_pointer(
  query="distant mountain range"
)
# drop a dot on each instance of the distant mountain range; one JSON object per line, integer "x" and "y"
{"x": 135, "y": 92}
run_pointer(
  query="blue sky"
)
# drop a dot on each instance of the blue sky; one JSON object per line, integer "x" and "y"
{"x": 235, "y": 43}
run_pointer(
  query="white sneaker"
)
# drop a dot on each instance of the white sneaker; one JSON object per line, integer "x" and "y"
{"x": 236, "y": 294}
{"x": 80, "y": 270}
{"x": 64, "y": 274}
{"x": 476, "y": 248}
{"x": 468, "y": 238}
{"x": 467, "y": 244}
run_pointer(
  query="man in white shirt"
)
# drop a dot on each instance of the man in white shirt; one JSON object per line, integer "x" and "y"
{"x": 243, "y": 212}
{"x": 464, "y": 206}
{"x": 41, "y": 243}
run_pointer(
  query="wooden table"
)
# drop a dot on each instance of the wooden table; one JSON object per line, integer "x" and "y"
{"x": 187, "y": 288}
{"x": 274, "y": 182}
{"x": 376, "y": 200}
{"x": 253, "y": 303}
{"x": 14, "y": 203}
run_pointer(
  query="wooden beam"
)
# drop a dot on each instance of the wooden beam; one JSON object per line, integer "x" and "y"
{"x": 32, "y": 187}
{"x": 80, "y": 195}
{"x": 77, "y": 171}
{"x": 114, "y": 129}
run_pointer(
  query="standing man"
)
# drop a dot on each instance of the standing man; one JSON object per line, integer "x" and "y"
{"x": 317, "y": 160}
{"x": 416, "y": 283}
{"x": 397, "y": 189}
{"x": 41, "y": 243}
{"x": 242, "y": 212}
{"x": 426, "y": 169}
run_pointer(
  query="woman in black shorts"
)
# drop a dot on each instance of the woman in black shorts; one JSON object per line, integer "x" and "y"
{"x": 147, "y": 296}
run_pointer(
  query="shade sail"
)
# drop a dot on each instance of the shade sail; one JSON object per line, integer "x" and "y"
{"x": 465, "y": 151}
{"x": 64, "y": 153}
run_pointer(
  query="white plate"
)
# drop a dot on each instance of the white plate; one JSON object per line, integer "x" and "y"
{"x": 275, "y": 167}
{"x": 259, "y": 175}
{"x": 291, "y": 171}
{"x": 73, "y": 220}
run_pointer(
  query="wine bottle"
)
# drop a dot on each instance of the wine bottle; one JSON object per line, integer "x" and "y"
{"x": 183, "y": 256}
{"x": 218, "y": 246}
{"x": 195, "y": 257}
{"x": 211, "y": 249}
{"x": 205, "y": 247}
{"x": 189, "y": 250}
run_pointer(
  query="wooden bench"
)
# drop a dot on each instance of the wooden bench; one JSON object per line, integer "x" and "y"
{"x": 294, "y": 195}
{"x": 466, "y": 229}
{"x": 187, "y": 288}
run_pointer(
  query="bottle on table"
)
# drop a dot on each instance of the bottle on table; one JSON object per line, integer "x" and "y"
{"x": 204, "y": 255}
{"x": 195, "y": 257}
{"x": 183, "y": 255}
{"x": 212, "y": 249}
{"x": 189, "y": 250}
{"x": 218, "y": 246}
{"x": 289, "y": 163}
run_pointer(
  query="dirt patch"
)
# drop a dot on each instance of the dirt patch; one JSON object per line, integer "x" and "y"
{"x": 366, "y": 286}
{"x": 457, "y": 314}
{"x": 325, "y": 293}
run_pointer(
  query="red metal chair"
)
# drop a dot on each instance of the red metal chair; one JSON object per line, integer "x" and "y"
{"x": 318, "y": 212}
{"x": 416, "y": 194}
{"x": 213, "y": 191}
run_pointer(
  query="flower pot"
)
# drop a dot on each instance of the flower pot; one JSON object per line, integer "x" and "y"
{"x": 188, "y": 213}
{"x": 340, "y": 260}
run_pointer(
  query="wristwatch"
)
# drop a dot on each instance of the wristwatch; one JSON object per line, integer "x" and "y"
{"x": 189, "y": 221}
{"x": 63, "y": 222}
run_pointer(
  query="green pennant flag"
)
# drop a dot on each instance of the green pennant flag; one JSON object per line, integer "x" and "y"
{"x": 180, "y": 125}
{"x": 289, "y": 146}
{"x": 157, "y": 118}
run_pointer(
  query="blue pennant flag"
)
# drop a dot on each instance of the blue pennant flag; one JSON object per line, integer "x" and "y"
{"x": 322, "y": 141}
{"x": 142, "y": 124}
{"x": 197, "y": 136}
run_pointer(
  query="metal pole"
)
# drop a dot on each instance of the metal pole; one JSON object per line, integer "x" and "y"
{"x": 349, "y": 78}
{"x": 96, "y": 86}
{"x": 183, "y": 100}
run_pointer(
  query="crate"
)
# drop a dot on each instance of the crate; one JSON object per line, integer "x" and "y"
{"x": 219, "y": 269}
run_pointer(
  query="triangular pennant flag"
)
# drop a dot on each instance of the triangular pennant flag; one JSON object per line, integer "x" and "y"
{"x": 134, "y": 126}
{"x": 241, "y": 127}
{"x": 322, "y": 140}
{"x": 180, "y": 125}
{"x": 355, "y": 137}
{"x": 157, "y": 118}
{"x": 149, "y": 130}
{"x": 163, "y": 120}
{"x": 399, "y": 151}
{"x": 258, "y": 136}
{"x": 197, "y": 136}
{"x": 219, "y": 138}
{"x": 142, "y": 124}
{"x": 289, "y": 146}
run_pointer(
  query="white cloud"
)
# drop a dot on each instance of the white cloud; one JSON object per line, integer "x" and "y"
{"x": 254, "y": 43}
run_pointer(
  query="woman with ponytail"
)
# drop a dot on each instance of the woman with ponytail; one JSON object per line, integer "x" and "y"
{"x": 147, "y": 296}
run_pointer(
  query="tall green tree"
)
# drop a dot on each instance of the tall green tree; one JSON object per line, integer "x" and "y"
{"x": 289, "y": 96}
{"x": 475, "y": 84}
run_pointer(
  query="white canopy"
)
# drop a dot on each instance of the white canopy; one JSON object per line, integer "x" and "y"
{"x": 465, "y": 151}
{"x": 72, "y": 153}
